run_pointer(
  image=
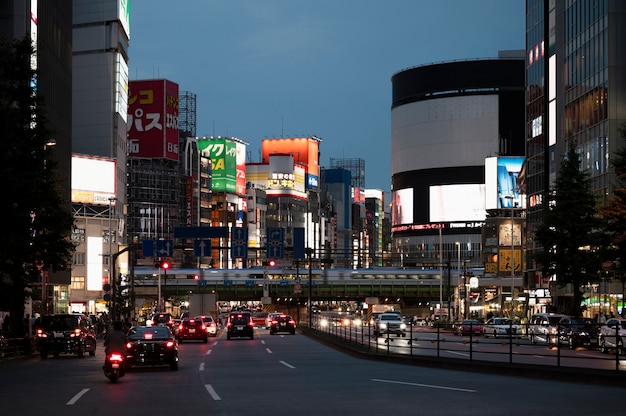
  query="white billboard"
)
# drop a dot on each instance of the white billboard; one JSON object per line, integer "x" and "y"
{"x": 93, "y": 180}
{"x": 463, "y": 202}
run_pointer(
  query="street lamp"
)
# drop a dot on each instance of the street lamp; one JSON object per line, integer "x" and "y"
{"x": 458, "y": 278}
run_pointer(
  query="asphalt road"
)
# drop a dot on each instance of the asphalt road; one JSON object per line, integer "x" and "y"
{"x": 284, "y": 375}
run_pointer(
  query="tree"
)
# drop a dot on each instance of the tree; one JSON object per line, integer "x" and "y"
{"x": 571, "y": 231}
{"x": 614, "y": 213}
{"x": 37, "y": 221}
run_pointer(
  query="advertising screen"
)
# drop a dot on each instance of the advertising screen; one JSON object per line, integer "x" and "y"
{"x": 463, "y": 202}
{"x": 93, "y": 180}
{"x": 304, "y": 151}
{"x": 223, "y": 155}
{"x": 501, "y": 175}
{"x": 402, "y": 206}
{"x": 152, "y": 125}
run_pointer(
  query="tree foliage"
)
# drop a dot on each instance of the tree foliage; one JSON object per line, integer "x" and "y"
{"x": 571, "y": 231}
{"x": 37, "y": 221}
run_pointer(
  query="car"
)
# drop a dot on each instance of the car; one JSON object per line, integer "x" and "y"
{"x": 613, "y": 335}
{"x": 65, "y": 334}
{"x": 543, "y": 328}
{"x": 468, "y": 327}
{"x": 389, "y": 323}
{"x": 164, "y": 318}
{"x": 259, "y": 318}
{"x": 578, "y": 332}
{"x": 192, "y": 329}
{"x": 239, "y": 324}
{"x": 151, "y": 346}
{"x": 211, "y": 324}
{"x": 499, "y": 326}
{"x": 282, "y": 323}
{"x": 269, "y": 317}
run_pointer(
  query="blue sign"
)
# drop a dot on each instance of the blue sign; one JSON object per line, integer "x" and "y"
{"x": 275, "y": 243}
{"x": 249, "y": 282}
{"x": 147, "y": 248}
{"x": 239, "y": 242}
{"x": 298, "y": 243}
{"x": 228, "y": 282}
{"x": 202, "y": 248}
{"x": 164, "y": 248}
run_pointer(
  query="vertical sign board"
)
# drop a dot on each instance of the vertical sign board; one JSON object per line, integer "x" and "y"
{"x": 298, "y": 243}
{"x": 239, "y": 242}
{"x": 275, "y": 243}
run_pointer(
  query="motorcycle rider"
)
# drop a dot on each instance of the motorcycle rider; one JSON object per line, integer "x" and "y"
{"x": 115, "y": 340}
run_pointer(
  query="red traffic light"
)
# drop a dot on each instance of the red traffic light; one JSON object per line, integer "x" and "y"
{"x": 196, "y": 277}
{"x": 269, "y": 263}
{"x": 165, "y": 265}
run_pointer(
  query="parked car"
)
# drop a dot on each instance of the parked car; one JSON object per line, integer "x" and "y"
{"x": 65, "y": 334}
{"x": 467, "y": 327}
{"x": 543, "y": 328}
{"x": 613, "y": 335}
{"x": 578, "y": 332}
{"x": 192, "y": 329}
{"x": 283, "y": 323}
{"x": 499, "y": 327}
{"x": 239, "y": 324}
{"x": 151, "y": 346}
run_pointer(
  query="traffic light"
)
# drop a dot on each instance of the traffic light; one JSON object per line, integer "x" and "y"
{"x": 269, "y": 263}
{"x": 163, "y": 264}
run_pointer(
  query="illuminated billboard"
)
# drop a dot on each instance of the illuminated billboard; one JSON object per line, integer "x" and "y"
{"x": 501, "y": 189}
{"x": 462, "y": 202}
{"x": 228, "y": 163}
{"x": 402, "y": 206}
{"x": 305, "y": 152}
{"x": 152, "y": 125}
{"x": 93, "y": 180}
{"x": 280, "y": 177}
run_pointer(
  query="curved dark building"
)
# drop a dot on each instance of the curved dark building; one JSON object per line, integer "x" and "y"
{"x": 446, "y": 119}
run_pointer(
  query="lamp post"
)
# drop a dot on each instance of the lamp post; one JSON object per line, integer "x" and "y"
{"x": 458, "y": 278}
{"x": 111, "y": 272}
{"x": 440, "y": 273}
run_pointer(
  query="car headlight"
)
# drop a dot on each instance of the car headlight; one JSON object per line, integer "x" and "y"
{"x": 403, "y": 326}
{"x": 324, "y": 322}
{"x": 383, "y": 326}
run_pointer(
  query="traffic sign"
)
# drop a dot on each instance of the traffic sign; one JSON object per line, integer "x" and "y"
{"x": 200, "y": 232}
{"x": 275, "y": 243}
{"x": 202, "y": 248}
{"x": 164, "y": 248}
{"x": 298, "y": 243}
{"x": 239, "y": 242}
{"x": 147, "y": 248}
{"x": 297, "y": 288}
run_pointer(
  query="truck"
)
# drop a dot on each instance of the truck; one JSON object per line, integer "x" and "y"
{"x": 203, "y": 304}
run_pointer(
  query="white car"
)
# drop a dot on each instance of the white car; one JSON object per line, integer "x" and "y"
{"x": 613, "y": 335}
{"x": 501, "y": 327}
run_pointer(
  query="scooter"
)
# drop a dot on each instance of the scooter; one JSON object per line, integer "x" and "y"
{"x": 114, "y": 366}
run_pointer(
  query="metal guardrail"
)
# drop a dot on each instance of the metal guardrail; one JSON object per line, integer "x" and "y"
{"x": 16, "y": 347}
{"x": 427, "y": 345}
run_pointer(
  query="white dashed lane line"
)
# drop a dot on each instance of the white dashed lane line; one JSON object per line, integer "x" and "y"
{"x": 286, "y": 364}
{"x": 77, "y": 397}
{"x": 212, "y": 392}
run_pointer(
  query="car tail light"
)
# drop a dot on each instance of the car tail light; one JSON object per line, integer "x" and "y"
{"x": 203, "y": 327}
{"x": 292, "y": 322}
{"x": 169, "y": 344}
{"x": 129, "y": 345}
{"x": 41, "y": 334}
{"x": 251, "y": 323}
{"x": 147, "y": 335}
{"x": 180, "y": 327}
{"x": 76, "y": 333}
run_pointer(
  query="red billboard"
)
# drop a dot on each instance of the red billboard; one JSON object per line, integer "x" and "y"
{"x": 304, "y": 151}
{"x": 153, "y": 119}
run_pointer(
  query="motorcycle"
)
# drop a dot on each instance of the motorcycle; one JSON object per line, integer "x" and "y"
{"x": 114, "y": 366}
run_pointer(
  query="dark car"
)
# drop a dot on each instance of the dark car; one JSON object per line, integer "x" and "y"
{"x": 578, "y": 332}
{"x": 282, "y": 323}
{"x": 239, "y": 324}
{"x": 151, "y": 346}
{"x": 164, "y": 318}
{"x": 191, "y": 328}
{"x": 65, "y": 334}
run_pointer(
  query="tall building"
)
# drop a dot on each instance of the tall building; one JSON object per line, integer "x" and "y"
{"x": 576, "y": 90}
{"x": 49, "y": 25}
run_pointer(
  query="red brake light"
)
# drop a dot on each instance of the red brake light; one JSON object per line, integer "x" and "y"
{"x": 147, "y": 335}
{"x": 203, "y": 326}
{"x": 180, "y": 327}
{"x": 191, "y": 321}
{"x": 115, "y": 357}
{"x": 129, "y": 345}
{"x": 169, "y": 344}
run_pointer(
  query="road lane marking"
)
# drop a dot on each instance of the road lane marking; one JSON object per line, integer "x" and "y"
{"x": 286, "y": 364}
{"x": 212, "y": 392}
{"x": 432, "y": 386}
{"x": 201, "y": 368}
{"x": 77, "y": 397}
{"x": 464, "y": 354}
{"x": 208, "y": 352}
{"x": 268, "y": 350}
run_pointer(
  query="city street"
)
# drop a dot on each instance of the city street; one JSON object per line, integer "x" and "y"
{"x": 283, "y": 374}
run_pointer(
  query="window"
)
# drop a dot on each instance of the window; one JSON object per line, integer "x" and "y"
{"x": 78, "y": 259}
{"x": 78, "y": 283}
